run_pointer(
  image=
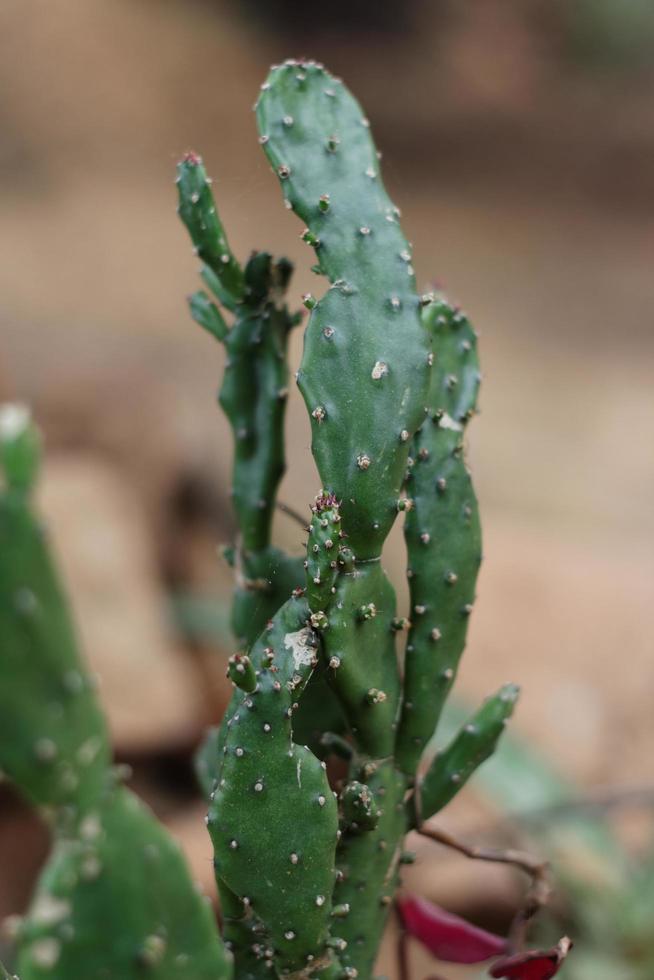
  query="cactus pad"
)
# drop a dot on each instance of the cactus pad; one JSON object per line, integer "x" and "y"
{"x": 472, "y": 745}
{"x": 116, "y": 903}
{"x": 364, "y": 371}
{"x": 442, "y": 533}
{"x": 273, "y": 818}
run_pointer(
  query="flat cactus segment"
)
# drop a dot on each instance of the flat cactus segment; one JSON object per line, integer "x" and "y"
{"x": 322, "y": 551}
{"x": 368, "y": 866}
{"x": 264, "y": 581}
{"x": 117, "y": 903}
{"x": 442, "y": 532}
{"x": 53, "y": 738}
{"x": 273, "y": 818}
{"x": 472, "y": 745}
{"x": 197, "y": 209}
{"x": 364, "y": 372}
{"x": 359, "y": 651}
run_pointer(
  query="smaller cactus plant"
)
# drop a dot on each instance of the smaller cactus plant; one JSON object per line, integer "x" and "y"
{"x": 115, "y": 898}
{"x": 307, "y": 865}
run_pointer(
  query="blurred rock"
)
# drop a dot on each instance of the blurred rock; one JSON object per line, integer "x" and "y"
{"x": 148, "y": 689}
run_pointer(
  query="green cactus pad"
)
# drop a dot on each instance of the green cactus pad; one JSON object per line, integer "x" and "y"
{"x": 359, "y": 651}
{"x": 197, "y": 209}
{"x": 442, "y": 532}
{"x": 116, "y": 903}
{"x": 364, "y": 372}
{"x": 472, "y": 745}
{"x": 264, "y": 581}
{"x": 273, "y": 818}
{"x": 53, "y": 738}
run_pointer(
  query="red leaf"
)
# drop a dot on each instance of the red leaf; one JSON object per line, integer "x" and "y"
{"x": 536, "y": 964}
{"x": 446, "y": 936}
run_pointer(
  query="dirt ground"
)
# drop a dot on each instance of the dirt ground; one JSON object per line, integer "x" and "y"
{"x": 525, "y": 184}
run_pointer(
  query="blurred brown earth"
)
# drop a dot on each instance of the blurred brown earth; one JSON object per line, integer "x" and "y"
{"x": 526, "y": 186}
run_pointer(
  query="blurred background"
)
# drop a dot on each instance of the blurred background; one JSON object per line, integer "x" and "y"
{"x": 518, "y": 139}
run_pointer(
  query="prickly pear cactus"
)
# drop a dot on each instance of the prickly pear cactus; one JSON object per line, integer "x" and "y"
{"x": 114, "y": 900}
{"x": 306, "y": 873}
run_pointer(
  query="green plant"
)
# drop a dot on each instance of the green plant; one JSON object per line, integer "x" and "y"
{"x": 306, "y": 870}
{"x": 114, "y": 898}
{"x": 306, "y": 876}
